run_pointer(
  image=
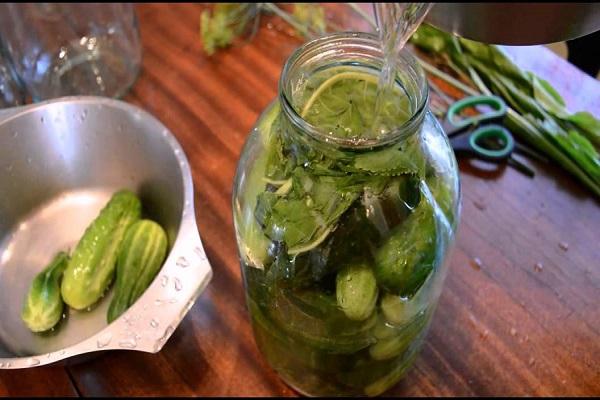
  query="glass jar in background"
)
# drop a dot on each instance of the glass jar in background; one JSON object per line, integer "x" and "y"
{"x": 72, "y": 48}
{"x": 343, "y": 230}
{"x": 11, "y": 91}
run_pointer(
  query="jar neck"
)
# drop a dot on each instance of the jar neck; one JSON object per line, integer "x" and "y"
{"x": 350, "y": 48}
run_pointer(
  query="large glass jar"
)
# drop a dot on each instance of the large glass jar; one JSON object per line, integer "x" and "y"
{"x": 343, "y": 230}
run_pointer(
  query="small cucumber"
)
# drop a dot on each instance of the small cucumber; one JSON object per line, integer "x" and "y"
{"x": 43, "y": 305}
{"x": 394, "y": 346}
{"x": 92, "y": 265}
{"x": 356, "y": 291}
{"x": 406, "y": 259}
{"x": 399, "y": 310}
{"x": 140, "y": 257}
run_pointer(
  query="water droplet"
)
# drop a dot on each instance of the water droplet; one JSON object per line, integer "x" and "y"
{"x": 15, "y": 134}
{"x": 130, "y": 343}
{"x": 173, "y": 300}
{"x": 485, "y": 334}
{"x": 538, "y": 267}
{"x": 154, "y": 323}
{"x": 182, "y": 262}
{"x": 62, "y": 353}
{"x": 177, "y": 151}
{"x": 128, "y": 321}
{"x": 64, "y": 316}
{"x": 157, "y": 302}
{"x": 104, "y": 340}
{"x": 9, "y": 168}
{"x": 33, "y": 361}
{"x": 178, "y": 285}
{"x": 49, "y": 355}
{"x": 480, "y": 205}
{"x": 513, "y": 331}
{"x": 88, "y": 309}
{"x": 1, "y": 365}
{"x": 200, "y": 252}
{"x": 564, "y": 246}
{"x": 164, "y": 280}
{"x": 42, "y": 120}
{"x": 166, "y": 334}
{"x": 476, "y": 263}
{"x": 28, "y": 160}
{"x": 8, "y": 364}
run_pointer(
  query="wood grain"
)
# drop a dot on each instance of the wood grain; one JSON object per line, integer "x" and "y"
{"x": 505, "y": 329}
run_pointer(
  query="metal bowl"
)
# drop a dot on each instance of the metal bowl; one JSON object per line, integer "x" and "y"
{"x": 60, "y": 161}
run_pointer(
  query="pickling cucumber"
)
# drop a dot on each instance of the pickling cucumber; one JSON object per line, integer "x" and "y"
{"x": 91, "y": 268}
{"x": 356, "y": 291}
{"x": 405, "y": 260}
{"x": 43, "y": 305}
{"x": 140, "y": 257}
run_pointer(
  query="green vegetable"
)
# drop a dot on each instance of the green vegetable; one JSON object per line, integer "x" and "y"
{"x": 394, "y": 346}
{"x": 43, "y": 306}
{"x": 356, "y": 291}
{"x": 407, "y": 258}
{"x": 141, "y": 255}
{"x": 227, "y": 21}
{"x": 92, "y": 265}
{"x": 537, "y": 112}
{"x": 399, "y": 311}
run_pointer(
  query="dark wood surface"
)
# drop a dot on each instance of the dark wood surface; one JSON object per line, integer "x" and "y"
{"x": 506, "y": 328}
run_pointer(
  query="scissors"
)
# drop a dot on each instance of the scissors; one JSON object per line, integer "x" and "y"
{"x": 482, "y": 136}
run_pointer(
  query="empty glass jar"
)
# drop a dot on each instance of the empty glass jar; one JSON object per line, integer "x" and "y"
{"x": 343, "y": 230}
{"x": 11, "y": 92}
{"x": 61, "y": 49}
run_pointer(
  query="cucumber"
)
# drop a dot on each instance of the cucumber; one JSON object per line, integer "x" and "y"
{"x": 356, "y": 291}
{"x": 399, "y": 310}
{"x": 140, "y": 257}
{"x": 407, "y": 257}
{"x": 43, "y": 306}
{"x": 91, "y": 268}
{"x": 394, "y": 346}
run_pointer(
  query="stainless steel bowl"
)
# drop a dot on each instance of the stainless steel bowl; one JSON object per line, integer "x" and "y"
{"x": 60, "y": 161}
{"x": 516, "y": 24}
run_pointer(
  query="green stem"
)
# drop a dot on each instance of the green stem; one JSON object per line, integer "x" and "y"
{"x": 447, "y": 78}
{"x": 363, "y": 14}
{"x": 288, "y": 18}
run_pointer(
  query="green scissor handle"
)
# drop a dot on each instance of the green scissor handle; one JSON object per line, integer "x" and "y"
{"x": 498, "y": 112}
{"x": 472, "y": 143}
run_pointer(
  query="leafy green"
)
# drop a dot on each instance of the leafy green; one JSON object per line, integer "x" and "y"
{"x": 226, "y": 22}
{"x": 537, "y": 115}
{"x": 311, "y": 15}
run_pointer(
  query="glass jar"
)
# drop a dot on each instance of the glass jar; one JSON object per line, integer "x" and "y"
{"x": 11, "y": 91}
{"x": 62, "y": 49}
{"x": 343, "y": 232}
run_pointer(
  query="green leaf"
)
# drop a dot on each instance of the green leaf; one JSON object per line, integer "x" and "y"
{"x": 588, "y": 125}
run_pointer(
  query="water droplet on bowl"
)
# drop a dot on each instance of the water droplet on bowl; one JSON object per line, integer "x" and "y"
{"x": 42, "y": 120}
{"x": 15, "y": 134}
{"x": 1, "y": 365}
{"x": 200, "y": 252}
{"x": 164, "y": 280}
{"x": 157, "y": 302}
{"x": 564, "y": 246}
{"x": 476, "y": 263}
{"x": 33, "y": 361}
{"x": 513, "y": 331}
{"x": 182, "y": 262}
{"x": 178, "y": 285}
{"x": 173, "y": 300}
{"x": 154, "y": 323}
{"x": 104, "y": 340}
{"x": 538, "y": 267}
{"x": 28, "y": 160}
{"x": 62, "y": 353}
{"x": 128, "y": 343}
{"x": 8, "y": 365}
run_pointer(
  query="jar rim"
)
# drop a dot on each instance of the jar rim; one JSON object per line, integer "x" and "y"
{"x": 371, "y": 41}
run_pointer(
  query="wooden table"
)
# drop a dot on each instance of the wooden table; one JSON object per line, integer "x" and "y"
{"x": 504, "y": 329}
